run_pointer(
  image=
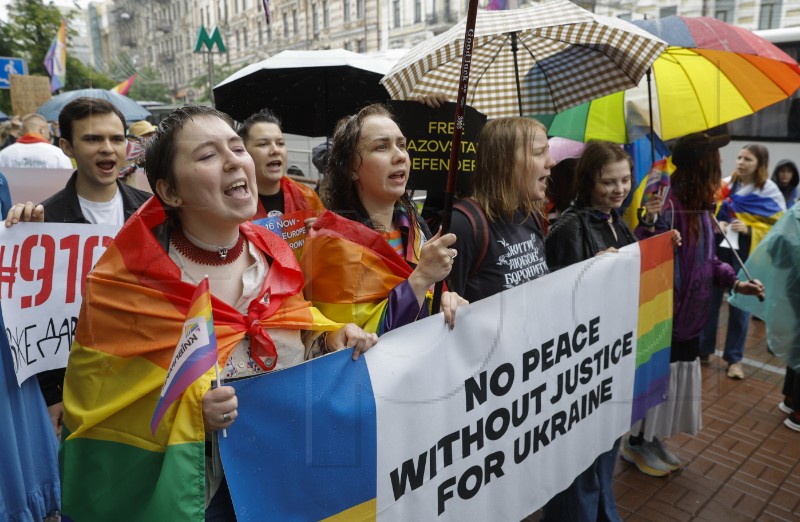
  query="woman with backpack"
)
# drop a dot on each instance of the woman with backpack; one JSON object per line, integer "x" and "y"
{"x": 499, "y": 231}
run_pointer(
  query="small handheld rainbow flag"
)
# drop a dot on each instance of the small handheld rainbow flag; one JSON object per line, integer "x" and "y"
{"x": 195, "y": 354}
{"x": 658, "y": 181}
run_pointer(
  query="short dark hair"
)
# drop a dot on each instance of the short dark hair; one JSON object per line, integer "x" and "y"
{"x": 161, "y": 149}
{"x": 83, "y": 107}
{"x": 263, "y": 116}
{"x": 595, "y": 156}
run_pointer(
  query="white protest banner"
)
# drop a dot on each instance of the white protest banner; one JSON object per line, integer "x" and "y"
{"x": 536, "y": 384}
{"x": 43, "y": 268}
{"x": 484, "y": 422}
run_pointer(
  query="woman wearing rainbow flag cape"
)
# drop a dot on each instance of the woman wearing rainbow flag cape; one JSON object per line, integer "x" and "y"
{"x": 277, "y": 193}
{"x": 750, "y": 204}
{"x": 370, "y": 260}
{"x": 114, "y": 465}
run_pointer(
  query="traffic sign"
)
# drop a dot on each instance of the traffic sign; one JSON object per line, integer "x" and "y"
{"x": 9, "y": 66}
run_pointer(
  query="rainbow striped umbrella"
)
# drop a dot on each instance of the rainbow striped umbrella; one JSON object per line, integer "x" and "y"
{"x": 711, "y": 74}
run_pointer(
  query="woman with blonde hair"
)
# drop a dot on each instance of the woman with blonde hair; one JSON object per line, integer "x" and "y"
{"x": 500, "y": 231}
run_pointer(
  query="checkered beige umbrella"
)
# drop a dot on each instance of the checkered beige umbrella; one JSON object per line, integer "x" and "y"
{"x": 566, "y": 56}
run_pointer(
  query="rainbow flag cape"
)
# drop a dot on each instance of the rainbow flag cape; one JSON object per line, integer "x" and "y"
{"x": 351, "y": 270}
{"x": 124, "y": 87}
{"x": 655, "y": 324}
{"x": 296, "y": 197}
{"x": 55, "y": 61}
{"x": 195, "y": 354}
{"x": 112, "y": 466}
{"x": 758, "y": 208}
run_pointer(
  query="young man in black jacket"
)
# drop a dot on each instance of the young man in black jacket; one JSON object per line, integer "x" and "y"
{"x": 93, "y": 135}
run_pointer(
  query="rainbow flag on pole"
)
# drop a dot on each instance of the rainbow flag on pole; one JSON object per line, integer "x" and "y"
{"x": 655, "y": 324}
{"x": 56, "y": 59}
{"x": 195, "y": 354}
{"x": 124, "y": 87}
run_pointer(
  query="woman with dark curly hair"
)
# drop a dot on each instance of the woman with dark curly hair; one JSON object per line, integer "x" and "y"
{"x": 371, "y": 259}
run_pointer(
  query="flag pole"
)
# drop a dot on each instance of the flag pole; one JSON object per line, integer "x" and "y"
{"x": 216, "y": 368}
{"x": 461, "y": 102}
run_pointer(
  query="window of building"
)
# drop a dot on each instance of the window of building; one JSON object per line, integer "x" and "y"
{"x": 361, "y": 9}
{"x": 326, "y": 14}
{"x": 314, "y": 18}
{"x": 285, "y": 24}
{"x": 362, "y": 46}
{"x": 395, "y": 13}
{"x": 723, "y": 10}
{"x": 260, "y": 33}
{"x": 769, "y": 14}
{"x": 664, "y": 12}
{"x": 346, "y": 10}
{"x": 417, "y": 11}
{"x": 244, "y": 36}
{"x": 295, "y": 22}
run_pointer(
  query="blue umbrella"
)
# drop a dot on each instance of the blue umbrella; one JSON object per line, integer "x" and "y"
{"x": 129, "y": 108}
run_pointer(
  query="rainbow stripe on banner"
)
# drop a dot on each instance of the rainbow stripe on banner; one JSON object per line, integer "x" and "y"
{"x": 655, "y": 324}
{"x": 195, "y": 354}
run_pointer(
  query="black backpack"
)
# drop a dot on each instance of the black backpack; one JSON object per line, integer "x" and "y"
{"x": 480, "y": 229}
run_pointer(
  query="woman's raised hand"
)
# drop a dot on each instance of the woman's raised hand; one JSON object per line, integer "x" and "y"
{"x": 435, "y": 263}
{"x": 220, "y": 408}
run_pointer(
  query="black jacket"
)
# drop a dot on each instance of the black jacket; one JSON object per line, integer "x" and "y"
{"x": 63, "y": 207}
{"x": 580, "y": 234}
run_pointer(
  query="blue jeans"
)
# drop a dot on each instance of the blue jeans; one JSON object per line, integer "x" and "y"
{"x": 735, "y": 337}
{"x": 590, "y": 496}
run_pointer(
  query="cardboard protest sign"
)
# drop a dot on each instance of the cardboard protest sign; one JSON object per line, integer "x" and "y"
{"x": 484, "y": 422}
{"x": 43, "y": 268}
{"x": 429, "y": 134}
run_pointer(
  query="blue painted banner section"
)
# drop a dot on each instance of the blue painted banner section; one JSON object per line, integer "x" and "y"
{"x": 333, "y": 442}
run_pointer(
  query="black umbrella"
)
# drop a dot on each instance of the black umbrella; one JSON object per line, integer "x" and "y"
{"x": 309, "y": 90}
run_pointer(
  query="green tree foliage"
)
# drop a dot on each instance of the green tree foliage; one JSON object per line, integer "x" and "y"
{"x": 81, "y": 76}
{"x": 32, "y": 26}
{"x": 221, "y": 71}
{"x": 149, "y": 87}
{"x": 28, "y": 34}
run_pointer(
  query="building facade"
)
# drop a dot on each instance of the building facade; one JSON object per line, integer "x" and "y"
{"x": 161, "y": 34}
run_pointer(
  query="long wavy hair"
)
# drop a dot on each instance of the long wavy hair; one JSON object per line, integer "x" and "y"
{"x": 338, "y": 186}
{"x": 761, "y": 174}
{"x": 695, "y": 186}
{"x": 495, "y": 187}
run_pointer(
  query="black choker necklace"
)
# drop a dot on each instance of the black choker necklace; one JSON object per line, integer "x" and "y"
{"x": 222, "y": 256}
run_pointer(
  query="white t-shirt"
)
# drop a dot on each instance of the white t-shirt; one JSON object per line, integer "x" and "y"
{"x": 103, "y": 212}
{"x": 34, "y": 155}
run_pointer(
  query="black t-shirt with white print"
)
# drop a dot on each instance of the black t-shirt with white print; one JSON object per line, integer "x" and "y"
{"x": 515, "y": 255}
